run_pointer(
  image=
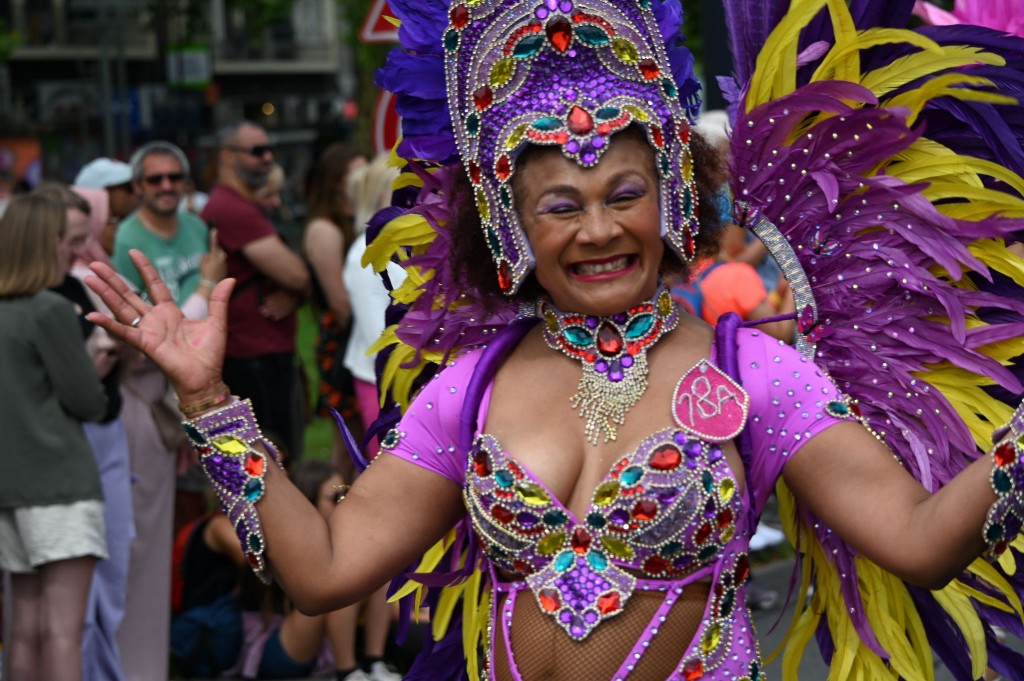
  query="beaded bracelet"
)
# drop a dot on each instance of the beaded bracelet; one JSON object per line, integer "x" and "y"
{"x": 224, "y": 440}
{"x": 1004, "y": 520}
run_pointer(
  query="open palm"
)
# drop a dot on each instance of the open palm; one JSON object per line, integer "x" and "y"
{"x": 190, "y": 352}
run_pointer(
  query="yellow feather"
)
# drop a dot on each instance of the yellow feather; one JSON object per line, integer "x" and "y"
{"x": 993, "y": 252}
{"x": 775, "y": 69}
{"x": 907, "y": 69}
{"x": 836, "y": 65}
{"x": 959, "y": 608}
{"x": 441, "y": 614}
{"x": 471, "y": 624}
{"x": 847, "y": 67}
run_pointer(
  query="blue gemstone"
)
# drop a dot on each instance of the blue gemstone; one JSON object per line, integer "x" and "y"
{"x": 194, "y": 434}
{"x": 670, "y": 88}
{"x": 671, "y": 548}
{"x": 493, "y": 241}
{"x": 547, "y": 123}
{"x": 451, "y": 40}
{"x": 504, "y": 478}
{"x": 596, "y": 520}
{"x": 607, "y": 113}
{"x": 837, "y": 408}
{"x": 1001, "y": 481}
{"x": 707, "y": 481}
{"x": 632, "y": 475}
{"x": 639, "y": 326}
{"x": 578, "y": 336}
{"x": 473, "y": 123}
{"x": 597, "y": 561}
{"x": 564, "y": 561}
{"x": 253, "y": 490}
{"x": 527, "y": 47}
{"x": 707, "y": 551}
{"x": 591, "y": 35}
{"x": 255, "y": 543}
{"x": 555, "y": 518}
{"x": 505, "y": 196}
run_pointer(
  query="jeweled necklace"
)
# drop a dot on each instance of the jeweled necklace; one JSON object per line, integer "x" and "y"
{"x": 613, "y": 352}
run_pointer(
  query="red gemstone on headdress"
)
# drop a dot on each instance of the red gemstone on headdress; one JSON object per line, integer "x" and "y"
{"x": 655, "y": 565}
{"x": 604, "y": 129}
{"x": 724, "y": 519}
{"x": 855, "y": 408}
{"x": 580, "y": 121}
{"x": 483, "y": 97}
{"x": 609, "y": 340}
{"x": 503, "y": 167}
{"x": 656, "y": 135}
{"x": 504, "y": 280}
{"x": 580, "y": 541}
{"x": 691, "y": 247}
{"x": 665, "y": 458}
{"x": 459, "y": 16}
{"x": 649, "y": 69}
{"x": 560, "y": 33}
{"x": 474, "y": 172}
{"x": 254, "y": 560}
{"x": 684, "y": 132}
{"x": 1005, "y": 454}
{"x": 703, "y": 533}
{"x": 609, "y": 603}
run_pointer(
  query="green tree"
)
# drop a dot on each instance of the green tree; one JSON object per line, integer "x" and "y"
{"x": 9, "y": 41}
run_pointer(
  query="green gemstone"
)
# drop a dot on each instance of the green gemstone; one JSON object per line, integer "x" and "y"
{"x": 516, "y": 137}
{"x": 707, "y": 551}
{"x": 995, "y": 532}
{"x": 670, "y": 88}
{"x": 255, "y": 543}
{"x": 555, "y": 518}
{"x": 473, "y": 123}
{"x": 625, "y": 50}
{"x": 502, "y": 72}
{"x": 194, "y": 434}
{"x": 550, "y": 543}
{"x": 493, "y": 241}
{"x": 617, "y": 547}
{"x": 607, "y": 492}
{"x": 707, "y": 481}
{"x": 579, "y": 336}
{"x": 506, "y": 197}
{"x": 665, "y": 166}
{"x": 671, "y": 548}
{"x": 597, "y": 561}
{"x": 596, "y": 520}
{"x": 728, "y": 600}
{"x": 1001, "y": 481}
{"x": 527, "y": 47}
{"x": 564, "y": 561}
{"x": 504, "y": 478}
{"x": 391, "y": 439}
{"x": 547, "y": 123}
{"x": 837, "y": 408}
{"x": 632, "y": 475}
{"x": 607, "y": 113}
{"x": 591, "y": 35}
{"x": 451, "y": 40}
{"x": 687, "y": 202}
{"x": 755, "y": 671}
{"x": 639, "y": 326}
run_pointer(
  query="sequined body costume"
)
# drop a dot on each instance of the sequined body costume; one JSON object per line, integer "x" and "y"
{"x": 668, "y": 514}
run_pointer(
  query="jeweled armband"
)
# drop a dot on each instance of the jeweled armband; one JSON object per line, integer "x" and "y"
{"x": 224, "y": 439}
{"x": 1006, "y": 516}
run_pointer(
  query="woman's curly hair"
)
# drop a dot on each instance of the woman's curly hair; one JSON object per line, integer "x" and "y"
{"x": 471, "y": 261}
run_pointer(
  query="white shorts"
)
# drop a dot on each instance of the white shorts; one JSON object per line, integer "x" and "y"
{"x": 31, "y": 536}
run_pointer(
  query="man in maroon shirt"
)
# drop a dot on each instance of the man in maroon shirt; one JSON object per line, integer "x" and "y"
{"x": 270, "y": 283}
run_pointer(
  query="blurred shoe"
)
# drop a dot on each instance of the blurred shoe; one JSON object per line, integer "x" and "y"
{"x": 380, "y": 672}
{"x": 766, "y": 537}
{"x": 355, "y": 675}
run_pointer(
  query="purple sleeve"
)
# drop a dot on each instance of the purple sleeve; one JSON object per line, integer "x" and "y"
{"x": 788, "y": 394}
{"x": 429, "y": 430}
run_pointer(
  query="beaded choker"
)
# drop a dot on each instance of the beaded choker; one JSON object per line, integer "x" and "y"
{"x": 613, "y": 352}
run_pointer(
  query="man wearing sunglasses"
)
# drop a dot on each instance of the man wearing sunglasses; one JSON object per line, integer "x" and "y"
{"x": 270, "y": 283}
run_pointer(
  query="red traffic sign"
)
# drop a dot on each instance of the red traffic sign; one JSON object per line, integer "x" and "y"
{"x": 379, "y": 24}
{"x": 387, "y": 124}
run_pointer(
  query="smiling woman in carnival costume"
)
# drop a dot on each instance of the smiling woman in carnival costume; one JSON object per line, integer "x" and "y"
{"x": 573, "y": 491}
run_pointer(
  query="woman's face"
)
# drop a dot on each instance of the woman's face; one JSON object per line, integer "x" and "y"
{"x": 594, "y": 232}
{"x": 327, "y": 496}
{"x": 72, "y": 244}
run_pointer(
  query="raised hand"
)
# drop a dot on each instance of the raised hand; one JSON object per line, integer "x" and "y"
{"x": 189, "y": 352}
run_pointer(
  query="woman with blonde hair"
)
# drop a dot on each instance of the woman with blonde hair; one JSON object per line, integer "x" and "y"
{"x": 51, "y": 507}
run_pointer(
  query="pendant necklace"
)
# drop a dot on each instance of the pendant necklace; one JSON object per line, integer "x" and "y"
{"x": 613, "y": 352}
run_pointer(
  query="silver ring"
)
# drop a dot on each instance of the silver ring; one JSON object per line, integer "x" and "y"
{"x": 135, "y": 322}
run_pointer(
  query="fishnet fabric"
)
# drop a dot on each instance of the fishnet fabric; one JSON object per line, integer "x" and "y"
{"x": 543, "y": 650}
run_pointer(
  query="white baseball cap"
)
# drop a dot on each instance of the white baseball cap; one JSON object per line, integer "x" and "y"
{"x": 102, "y": 173}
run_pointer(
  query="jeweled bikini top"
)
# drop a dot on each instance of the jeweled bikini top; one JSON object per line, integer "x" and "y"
{"x": 664, "y": 511}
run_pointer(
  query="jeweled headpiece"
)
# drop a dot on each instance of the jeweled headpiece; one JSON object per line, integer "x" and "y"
{"x": 566, "y": 73}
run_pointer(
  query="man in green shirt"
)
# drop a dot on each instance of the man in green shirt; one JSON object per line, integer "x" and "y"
{"x": 174, "y": 242}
